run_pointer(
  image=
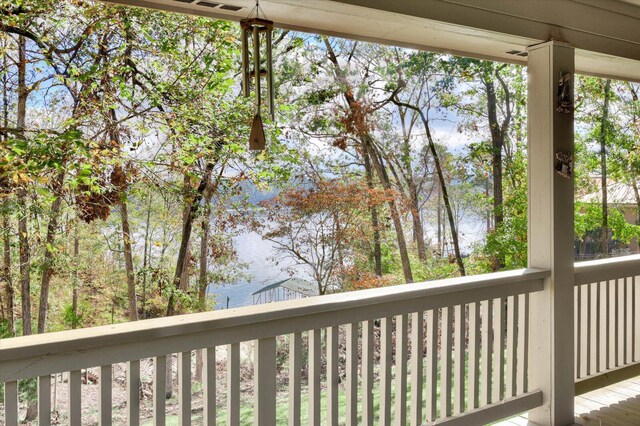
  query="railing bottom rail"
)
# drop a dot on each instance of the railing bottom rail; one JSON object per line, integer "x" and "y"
{"x": 496, "y": 411}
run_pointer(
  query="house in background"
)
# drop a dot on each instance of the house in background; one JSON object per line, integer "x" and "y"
{"x": 620, "y": 196}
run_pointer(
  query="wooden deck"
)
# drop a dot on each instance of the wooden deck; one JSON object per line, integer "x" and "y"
{"x": 615, "y": 405}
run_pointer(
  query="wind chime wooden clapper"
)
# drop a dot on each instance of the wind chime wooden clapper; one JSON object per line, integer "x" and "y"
{"x": 257, "y": 29}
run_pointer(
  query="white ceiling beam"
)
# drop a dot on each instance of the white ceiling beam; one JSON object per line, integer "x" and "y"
{"x": 605, "y": 26}
{"x": 605, "y": 33}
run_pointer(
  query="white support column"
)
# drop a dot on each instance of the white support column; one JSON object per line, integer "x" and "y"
{"x": 550, "y": 236}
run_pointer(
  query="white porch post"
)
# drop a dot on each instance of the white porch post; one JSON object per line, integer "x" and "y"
{"x": 550, "y": 236}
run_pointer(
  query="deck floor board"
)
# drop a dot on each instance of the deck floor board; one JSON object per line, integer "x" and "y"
{"x": 625, "y": 391}
{"x": 615, "y": 405}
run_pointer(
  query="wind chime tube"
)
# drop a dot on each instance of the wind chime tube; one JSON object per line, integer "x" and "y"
{"x": 246, "y": 80}
{"x": 256, "y": 64}
{"x": 270, "y": 74}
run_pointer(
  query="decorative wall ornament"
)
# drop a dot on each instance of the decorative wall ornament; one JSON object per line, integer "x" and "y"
{"x": 565, "y": 98}
{"x": 259, "y": 30}
{"x": 564, "y": 164}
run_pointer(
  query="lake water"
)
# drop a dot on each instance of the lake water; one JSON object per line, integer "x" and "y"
{"x": 256, "y": 252}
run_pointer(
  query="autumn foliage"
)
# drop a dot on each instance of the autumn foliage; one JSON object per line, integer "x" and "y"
{"x": 321, "y": 226}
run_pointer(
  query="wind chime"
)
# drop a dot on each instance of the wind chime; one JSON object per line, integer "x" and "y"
{"x": 257, "y": 29}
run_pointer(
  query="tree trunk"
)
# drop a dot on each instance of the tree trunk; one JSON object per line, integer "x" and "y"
{"x": 145, "y": 260}
{"x": 488, "y": 217}
{"x": 25, "y": 251}
{"x": 418, "y": 228}
{"x": 202, "y": 279}
{"x": 407, "y": 174}
{"x": 186, "y": 213}
{"x": 497, "y": 143}
{"x": 127, "y": 237}
{"x": 412, "y": 200}
{"x": 6, "y": 274}
{"x": 25, "y": 264}
{"x": 9, "y": 297}
{"x": 443, "y": 185}
{"x": 447, "y": 202}
{"x": 395, "y": 215}
{"x": 186, "y": 270}
{"x": 111, "y": 122}
{"x": 204, "y": 248}
{"x": 603, "y": 167}
{"x": 47, "y": 270}
{"x": 52, "y": 227}
{"x": 163, "y": 249}
{"x": 377, "y": 249}
{"x": 128, "y": 260}
{"x": 369, "y": 148}
{"x": 186, "y": 235}
{"x": 76, "y": 263}
{"x": 440, "y": 227}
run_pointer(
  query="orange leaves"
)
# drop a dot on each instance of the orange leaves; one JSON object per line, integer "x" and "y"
{"x": 222, "y": 248}
{"x": 331, "y": 195}
{"x": 357, "y": 119}
{"x": 324, "y": 227}
{"x": 357, "y": 279}
{"x": 340, "y": 143}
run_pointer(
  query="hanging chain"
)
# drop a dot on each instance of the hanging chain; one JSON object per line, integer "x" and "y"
{"x": 256, "y": 8}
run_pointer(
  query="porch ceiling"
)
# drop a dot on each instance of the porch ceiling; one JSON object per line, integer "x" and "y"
{"x": 605, "y": 33}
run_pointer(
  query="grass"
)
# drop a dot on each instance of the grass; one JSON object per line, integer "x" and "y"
{"x": 282, "y": 414}
{"x": 282, "y": 408}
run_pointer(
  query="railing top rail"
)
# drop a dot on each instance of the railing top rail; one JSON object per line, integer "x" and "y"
{"x": 340, "y": 308}
{"x": 606, "y": 269}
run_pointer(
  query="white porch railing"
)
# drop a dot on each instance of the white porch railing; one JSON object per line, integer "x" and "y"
{"x": 442, "y": 336}
{"x": 607, "y": 321}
